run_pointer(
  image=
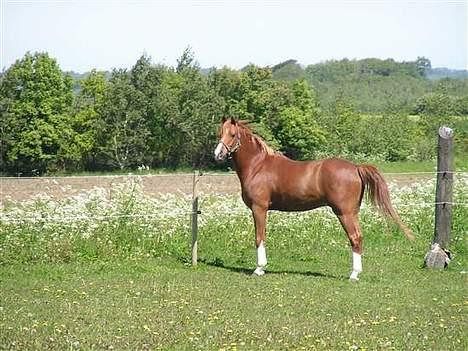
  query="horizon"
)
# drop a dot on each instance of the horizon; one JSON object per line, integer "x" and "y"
{"x": 109, "y": 34}
{"x": 303, "y": 65}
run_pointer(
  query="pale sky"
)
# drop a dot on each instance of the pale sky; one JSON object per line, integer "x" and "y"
{"x": 107, "y": 34}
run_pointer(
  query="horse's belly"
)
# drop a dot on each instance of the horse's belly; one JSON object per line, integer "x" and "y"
{"x": 295, "y": 204}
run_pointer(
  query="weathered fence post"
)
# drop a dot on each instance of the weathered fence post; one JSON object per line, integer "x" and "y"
{"x": 437, "y": 257}
{"x": 195, "y": 213}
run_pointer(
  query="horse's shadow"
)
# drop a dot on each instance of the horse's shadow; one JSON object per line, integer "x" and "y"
{"x": 249, "y": 271}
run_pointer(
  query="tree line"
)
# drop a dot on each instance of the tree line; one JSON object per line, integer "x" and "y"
{"x": 161, "y": 116}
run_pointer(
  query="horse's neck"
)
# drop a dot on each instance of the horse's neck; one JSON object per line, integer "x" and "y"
{"x": 247, "y": 158}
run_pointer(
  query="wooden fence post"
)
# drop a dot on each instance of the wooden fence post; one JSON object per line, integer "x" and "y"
{"x": 195, "y": 213}
{"x": 437, "y": 257}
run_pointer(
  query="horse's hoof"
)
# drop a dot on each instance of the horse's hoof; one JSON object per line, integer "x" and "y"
{"x": 258, "y": 272}
{"x": 354, "y": 276}
{"x": 353, "y": 280}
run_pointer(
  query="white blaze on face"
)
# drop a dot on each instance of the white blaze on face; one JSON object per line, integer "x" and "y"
{"x": 218, "y": 150}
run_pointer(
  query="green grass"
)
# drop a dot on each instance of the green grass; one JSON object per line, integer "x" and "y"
{"x": 125, "y": 283}
{"x": 406, "y": 166}
{"x": 460, "y": 164}
{"x": 158, "y": 304}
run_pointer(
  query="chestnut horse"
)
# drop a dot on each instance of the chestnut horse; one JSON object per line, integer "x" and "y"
{"x": 271, "y": 181}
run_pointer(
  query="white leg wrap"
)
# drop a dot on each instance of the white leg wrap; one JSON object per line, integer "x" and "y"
{"x": 357, "y": 267}
{"x": 357, "y": 264}
{"x": 261, "y": 255}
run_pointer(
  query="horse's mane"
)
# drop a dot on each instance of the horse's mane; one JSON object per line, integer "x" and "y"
{"x": 245, "y": 128}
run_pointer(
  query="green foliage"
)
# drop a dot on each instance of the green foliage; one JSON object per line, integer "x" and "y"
{"x": 423, "y": 65}
{"x": 36, "y": 118}
{"x": 167, "y": 117}
{"x": 346, "y": 119}
{"x": 296, "y": 127}
{"x": 288, "y": 71}
{"x": 122, "y": 131}
{"x": 371, "y": 83}
{"x": 197, "y": 107}
{"x": 436, "y": 104}
{"x": 88, "y": 109}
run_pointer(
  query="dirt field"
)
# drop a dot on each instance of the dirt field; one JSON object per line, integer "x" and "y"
{"x": 62, "y": 187}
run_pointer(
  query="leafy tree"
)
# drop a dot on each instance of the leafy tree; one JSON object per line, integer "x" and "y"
{"x": 288, "y": 71}
{"x": 157, "y": 87}
{"x": 346, "y": 120}
{"x": 187, "y": 61}
{"x": 123, "y": 134}
{"x": 197, "y": 105}
{"x": 36, "y": 117}
{"x": 251, "y": 95}
{"x": 7, "y": 119}
{"x": 168, "y": 116}
{"x": 423, "y": 65}
{"x": 297, "y": 129}
{"x": 225, "y": 83}
{"x": 392, "y": 136}
{"x": 370, "y": 82}
{"x": 88, "y": 113}
{"x": 460, "y": 105}
{"x": 434, "y": 104}
{"x": 254, "y": 82}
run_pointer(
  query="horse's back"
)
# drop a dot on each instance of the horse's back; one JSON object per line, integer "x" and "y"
{"x": 317, "y": 172}
{"x": 289, "y": 185}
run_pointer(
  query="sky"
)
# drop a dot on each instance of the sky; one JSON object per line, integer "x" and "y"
{"x": 106, "y": 34}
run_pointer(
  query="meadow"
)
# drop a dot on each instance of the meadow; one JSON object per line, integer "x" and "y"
{"x": 93, "y": 273}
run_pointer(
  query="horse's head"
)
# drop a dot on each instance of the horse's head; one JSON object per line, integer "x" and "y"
{"x": 229, "y": 139}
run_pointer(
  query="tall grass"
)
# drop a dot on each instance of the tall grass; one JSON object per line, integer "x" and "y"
{"x": 126, "y": 223}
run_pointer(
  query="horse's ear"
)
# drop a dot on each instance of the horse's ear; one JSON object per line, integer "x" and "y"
{"x": 224, "y": 119}
{"x": 233, "y": 121}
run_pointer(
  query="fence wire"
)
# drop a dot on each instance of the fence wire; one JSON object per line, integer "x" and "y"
{"x": 210, "y": 174}
{"x": 57, "y": 219}
{"x": 67, "y": 219}
{"x": 60, "y": 219}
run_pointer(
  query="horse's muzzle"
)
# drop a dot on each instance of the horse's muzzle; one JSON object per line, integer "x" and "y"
{"x": 220, "y": 153}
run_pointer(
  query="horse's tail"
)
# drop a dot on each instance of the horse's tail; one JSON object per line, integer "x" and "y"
{"x": 377, "y": 192}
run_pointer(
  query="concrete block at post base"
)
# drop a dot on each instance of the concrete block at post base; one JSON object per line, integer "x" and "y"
{"x": 437, "y": 257}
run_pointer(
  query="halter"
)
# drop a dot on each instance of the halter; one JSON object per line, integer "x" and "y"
{"x": 235, "y": 147}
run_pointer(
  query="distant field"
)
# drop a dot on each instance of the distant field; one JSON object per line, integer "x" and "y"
{"x": 97, "y": 273}
{"x": 155, "y": 182}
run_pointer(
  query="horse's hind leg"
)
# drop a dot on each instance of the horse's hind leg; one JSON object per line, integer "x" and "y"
{"x": 350, "y": 223}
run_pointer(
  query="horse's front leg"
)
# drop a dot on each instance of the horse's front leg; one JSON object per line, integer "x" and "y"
{"x": 259, "y": 215}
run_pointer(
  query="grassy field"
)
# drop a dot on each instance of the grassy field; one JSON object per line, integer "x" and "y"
{"x": 460, "y": 163}
{"x": 163, "y": 304}
{"x": 120, "y": 280}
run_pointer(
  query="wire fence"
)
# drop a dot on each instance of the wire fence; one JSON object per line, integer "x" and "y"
{"x": 211, "y": 174}
{"x": 185, "y": 178}
{"x": 67, "y": 219}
